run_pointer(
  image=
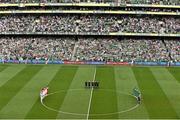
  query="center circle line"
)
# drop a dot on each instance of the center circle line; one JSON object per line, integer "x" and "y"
{"x": 81, "y": 114}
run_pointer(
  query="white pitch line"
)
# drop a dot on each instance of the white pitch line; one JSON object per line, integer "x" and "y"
{"x": 82, "y": 114}
{"x": 91, "y": 96}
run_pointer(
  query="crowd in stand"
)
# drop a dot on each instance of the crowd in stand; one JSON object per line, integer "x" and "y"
{"x": 174, "y": 49}
{"x": 89, "y": 24}
{"x": 162, "y": 2}
{"x": 19, "y": 1}
{"x": 36, "y": 48}
{"x": 89, "y": 49}
{"x": 121, "y": 50}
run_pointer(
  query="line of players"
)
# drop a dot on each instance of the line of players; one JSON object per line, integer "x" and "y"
{"x": 92, "y": 84}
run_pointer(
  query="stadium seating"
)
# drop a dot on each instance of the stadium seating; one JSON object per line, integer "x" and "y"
{"x": 88, "y": 24}
{"x": 89, "y": 49}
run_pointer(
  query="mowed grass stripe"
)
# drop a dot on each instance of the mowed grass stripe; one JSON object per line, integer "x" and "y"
{"x": 169, "y": 85}
{"x": 20, "y": 104}
{"x": 125, "y": 82}
{"x": 9, "y": 72}
{"x": 14, "y": 85}
{"x": 2, "y": 67}
{"x": 155, "y": 100}
{"x": 61, "y": 81}
{"x": 175, "y": 71}
{"x": 77, "y": 101}
{"x": 103, "y": 101}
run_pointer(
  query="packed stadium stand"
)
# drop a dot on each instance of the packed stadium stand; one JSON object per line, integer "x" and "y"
{"x": 127, "y": 30}
{"x": 96, "y": 24}
{"x": 89, "y": 49}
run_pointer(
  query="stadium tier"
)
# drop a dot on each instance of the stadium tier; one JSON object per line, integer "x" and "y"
{"x": 89, "y": 49}
{"x": 88, "y": 24}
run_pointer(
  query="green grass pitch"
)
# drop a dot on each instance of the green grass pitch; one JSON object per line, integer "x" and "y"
{"x": 68, "y": 98}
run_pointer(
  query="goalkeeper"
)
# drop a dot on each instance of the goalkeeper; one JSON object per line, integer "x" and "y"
{"x": 137, "y": 94}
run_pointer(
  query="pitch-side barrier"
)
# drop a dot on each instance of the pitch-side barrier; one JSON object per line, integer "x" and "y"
{"x": 89, "y": 62}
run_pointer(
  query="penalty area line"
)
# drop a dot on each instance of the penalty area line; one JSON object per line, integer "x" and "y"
{"x": 89, "y": 106}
